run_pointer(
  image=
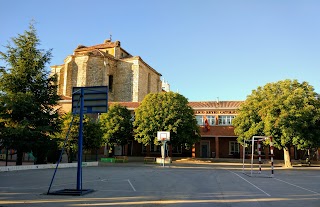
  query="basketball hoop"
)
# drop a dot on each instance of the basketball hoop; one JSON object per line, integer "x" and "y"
{"x": 163, "y": 136}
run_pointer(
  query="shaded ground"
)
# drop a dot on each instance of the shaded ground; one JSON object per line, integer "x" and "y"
{"x": 180, "y": 184}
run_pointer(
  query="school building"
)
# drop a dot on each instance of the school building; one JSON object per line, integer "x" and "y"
{"x": 130, "y": 79}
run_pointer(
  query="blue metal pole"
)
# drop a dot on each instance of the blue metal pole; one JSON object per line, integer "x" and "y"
{"x": 79, "y": 168}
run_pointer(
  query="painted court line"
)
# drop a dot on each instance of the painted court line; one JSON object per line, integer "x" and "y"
{"x": 131, "y": 186}
{"x": 250, "y": 183}
{"x": 116, "y": 180}
{"x": 297, "y": 186}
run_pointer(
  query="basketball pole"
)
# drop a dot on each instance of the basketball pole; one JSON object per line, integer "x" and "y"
{"x": 163, "y": 136}
{"x": 79, "y": 167}
{"x": 163, "y": 151}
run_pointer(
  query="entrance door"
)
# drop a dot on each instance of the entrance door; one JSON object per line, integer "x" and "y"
{"x": 204, "y": 150}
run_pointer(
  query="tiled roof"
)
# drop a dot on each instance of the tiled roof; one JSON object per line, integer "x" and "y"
{"x": 129, "y": 105}
{"x": 100, "y": 46}
{"x": 215, "y": 104}
{"x": 193, "y": 104}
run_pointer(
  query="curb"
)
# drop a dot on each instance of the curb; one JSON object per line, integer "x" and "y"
{"x": 45, "y": 166}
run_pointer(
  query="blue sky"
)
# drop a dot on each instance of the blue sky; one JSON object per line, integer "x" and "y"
{"x": 205, "y": 49}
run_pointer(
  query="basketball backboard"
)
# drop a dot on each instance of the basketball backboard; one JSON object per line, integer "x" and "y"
{"x": 163, "y": 136}
{"x": 95, "y": 99}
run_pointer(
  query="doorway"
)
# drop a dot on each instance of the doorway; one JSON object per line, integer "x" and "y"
{"x": 204, "y": 150}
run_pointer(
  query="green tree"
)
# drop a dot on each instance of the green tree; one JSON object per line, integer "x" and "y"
{"x": 287, "y": 110}
{"x": 28, "y": 96}
{"x": 117, "y": 125}
{"x": 72, "y": 130}
{"x": 92, "y": 134}
{"x": 166, "y": 112}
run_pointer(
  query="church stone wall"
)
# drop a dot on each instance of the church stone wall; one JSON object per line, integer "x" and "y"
{"x": 123, "y": 81}
{"x": 132, "y": 78}
{"x": 95, "y": 71}
{"x": 80, "y": 67}
{"x": 135, "y": 81}
{"x": 149, "y": 81}
{"x": 59, "y": 71}
{"x": 112, "y": 69}
{"x": 69, "y": 70}
{"x": 143, "y": 82}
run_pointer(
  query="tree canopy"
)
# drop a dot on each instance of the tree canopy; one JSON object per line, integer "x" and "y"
{"x": 165, "y": 112}
{"x": 28, "y": 96}
{"x": 287, "y": 110}
{"x": 116, "y": 125}
{"x": 92, "y": 134}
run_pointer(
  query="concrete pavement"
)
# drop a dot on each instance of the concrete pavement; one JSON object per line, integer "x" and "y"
{"x": 177, "y": 185}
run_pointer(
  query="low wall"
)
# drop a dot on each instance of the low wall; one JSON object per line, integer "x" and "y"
{"x": 167, "y": 160}
{"x": 45, "y": 166}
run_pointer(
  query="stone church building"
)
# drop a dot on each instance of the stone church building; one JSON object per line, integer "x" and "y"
{"x": 128, "y": 77}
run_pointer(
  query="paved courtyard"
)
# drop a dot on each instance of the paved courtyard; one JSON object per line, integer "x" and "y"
{"x": 180, "y": 184}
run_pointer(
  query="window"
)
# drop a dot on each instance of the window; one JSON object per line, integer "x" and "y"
{"x": 110, "y": 83}
{"x": 225, "y": 120}
{"x": 153, "y": 148}
{"x": 200, "y": 120}
{"x": 234, "y": 148}
{"x": 132, "y": 117}
{"x": 177, "y": 149}
{"x": 211, "y": 120}
{"x": 248, "y": 148}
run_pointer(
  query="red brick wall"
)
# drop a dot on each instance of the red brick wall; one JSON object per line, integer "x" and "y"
{"x": 224, "y": 146}
{"x": 218, "y": 131}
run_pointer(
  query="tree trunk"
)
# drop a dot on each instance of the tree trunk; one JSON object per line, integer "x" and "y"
{"x": 70, "y": 156}
{"x": 19, "y": 157}
{"x": 148, "y": 150}
{"x": 40, "y": 159}
{"x": 286, "y": 157}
